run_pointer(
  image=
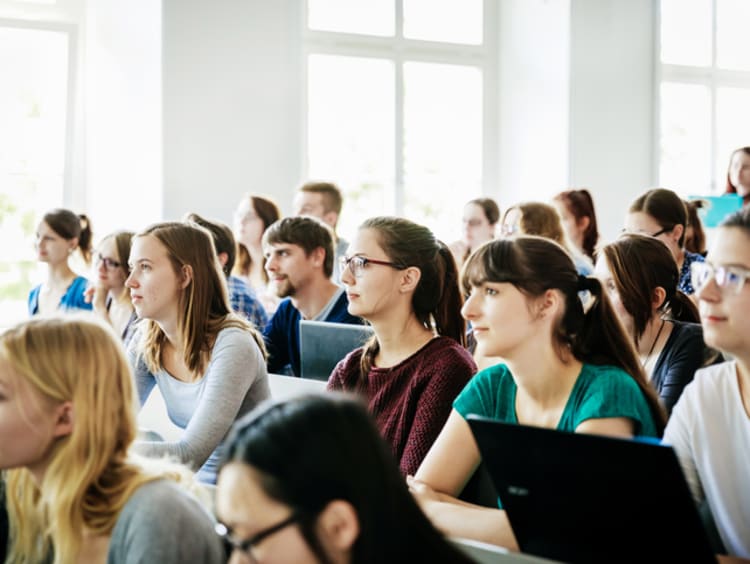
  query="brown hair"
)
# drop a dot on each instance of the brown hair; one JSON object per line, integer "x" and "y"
{"x": 307, "y": 232}
{"x": 696, "y": 242}
{"x": 268, "y": 212}
{"x": 731, "y": 188}
{"x": 666, "y": 207}
{"x": 222, "y": 236}
{"x": 580, "y": 204}
{"x": 489, "y": 207}
{"x": 332, "y": 199}
{"x": 69, "y": 226}
{"x": 123, "y": 241}
{"x": 540, "y": 219}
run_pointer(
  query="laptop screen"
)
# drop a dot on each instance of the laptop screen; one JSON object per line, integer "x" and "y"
{"x": 323, "y": 344}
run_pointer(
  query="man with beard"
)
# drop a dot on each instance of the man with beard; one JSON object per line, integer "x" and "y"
{"x": 299, "y": 260}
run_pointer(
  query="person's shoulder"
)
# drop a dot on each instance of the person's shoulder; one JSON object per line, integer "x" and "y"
{"x": 694, "y": 257}
{"x": 605, "y": 376}
{"x": 155, "y": 499}
{"x": 449, "y": 349}
{"x": 714, "y": 380}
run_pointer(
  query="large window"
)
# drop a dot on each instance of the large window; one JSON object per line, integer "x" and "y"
{"x": 704, "y": 94}
{"x": 396, "y": 97}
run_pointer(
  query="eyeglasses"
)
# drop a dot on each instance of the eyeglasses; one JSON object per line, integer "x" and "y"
{"x": 660, "y": 232}
{"x": 729, "y": 278}
{"x": 246, "y": 546}
{"x": 109, "y": 264}
{"x": 356, "y": 264}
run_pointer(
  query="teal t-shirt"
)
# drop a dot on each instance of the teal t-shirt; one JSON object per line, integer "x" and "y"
{"x": 599, "y": 392}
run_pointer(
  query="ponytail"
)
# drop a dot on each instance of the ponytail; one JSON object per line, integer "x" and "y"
{"x": 84, "y": 239}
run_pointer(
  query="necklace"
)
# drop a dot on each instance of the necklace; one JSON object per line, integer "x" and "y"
{"x": 653, "y": 344}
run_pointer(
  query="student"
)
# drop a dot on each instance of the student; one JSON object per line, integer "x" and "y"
{"x": 564, "y": 369}
{"x": 404, "y": 281}
{"x": 480, "y": 218}
{"x": 324, "y": 201}
{"x": 109, "y": 296}
{"x": 75, "y": 490}
{"x": 299, "y": 261}
{"x": 662, "y": 214}
{"x": 309, "y": 480}
{"x": 59, "y": 234}
{"x": 662, "y": 321}
{"x": 710, "y": 425}
{"x": 738, "y": 174}
{"x": 207, "y": 361}
{"x": 576, "y": 209}
{"x": 241, "y": 296}
{"x": 695, "y": 236}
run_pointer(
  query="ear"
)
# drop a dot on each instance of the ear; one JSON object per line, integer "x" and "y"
{"x": 410, "y": 278}
{"x": 677, "y": 232}
{"x": 72, "y": 244}
{"x": 657, "y": 297}
{"x": 548, "y": 303}
{"x": 318, "y": 257}
{"x": 583, "y": 222}
{"x": 64, "y": 419}
{"x": 338, "y": 524}
{"x": 223, "y": 258}
{"x": 187, "y": 276}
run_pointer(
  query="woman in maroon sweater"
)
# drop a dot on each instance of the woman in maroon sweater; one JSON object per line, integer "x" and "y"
{"x": 404, "y": 281}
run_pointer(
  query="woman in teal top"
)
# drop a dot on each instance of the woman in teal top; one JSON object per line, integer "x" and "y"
{"x": 563, "y": 368}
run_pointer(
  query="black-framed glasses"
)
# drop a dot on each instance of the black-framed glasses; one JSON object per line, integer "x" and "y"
{"x": 728, "y": 278}
{"x": 109, "y": 264}
{"x": 662, "y": 231}
{"x": 357, "y": 263}
{"x": 246, "y": 546}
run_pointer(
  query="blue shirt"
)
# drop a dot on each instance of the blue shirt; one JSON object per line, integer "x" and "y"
{"x": 685, "y": 284}
{"x": 71, "y": 299}
{"x": 243, "y": 301}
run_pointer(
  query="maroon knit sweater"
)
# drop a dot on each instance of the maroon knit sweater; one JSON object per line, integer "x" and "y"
{"x": 412, "y": 400}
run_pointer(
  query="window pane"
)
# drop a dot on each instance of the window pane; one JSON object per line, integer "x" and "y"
{"x": 353, "y": 16}
{"x": 732, "y": 128}
{"x": 732, "y": 17}
{"x": 33, "y": 100}
{"x": 442, "y": 143}
{"x": 454, "y": 21}
{"x": 685, "y": 144}
{"x": 686, "y": 32}
{"x": 351, "y": 116}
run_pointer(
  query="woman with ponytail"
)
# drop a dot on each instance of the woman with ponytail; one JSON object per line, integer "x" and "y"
{"x": 404, "y": 281}
{"x": 59, "y": 234}
{"x": 564, "y": 368}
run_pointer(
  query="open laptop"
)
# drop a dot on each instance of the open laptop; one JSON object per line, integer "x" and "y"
{"x": 322, "y": 344}
{"x": 717, "y": 208}
{"x": 587, "y": 498}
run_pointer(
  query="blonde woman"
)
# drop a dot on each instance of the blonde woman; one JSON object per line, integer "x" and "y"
{"x": 208, "y": 363}
{"x": 75, "y": 492}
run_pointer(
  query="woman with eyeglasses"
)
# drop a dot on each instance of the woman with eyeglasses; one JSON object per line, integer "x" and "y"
{"x": 75, "y": 491}
{"x": 109, "y": 296}
{"x": 309, "y": 480}
{"x": 404, "y": 281}
{"x": 640, "y": 275}
{"x": 58, "y": 235}
{"x": 662, "y": 214}
{"x": 480, "y": 218}
{"x": 710, "y": 425}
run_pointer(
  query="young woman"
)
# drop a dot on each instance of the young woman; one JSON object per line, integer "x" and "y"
{"x": 402, "y": 280}
{"x": 710, "y": 426}
{"x": 537, "y": 218}
{"x": 564, "y": 369}
{"x": 59, "y": 234}
{"x": 576, "y": 208}
{"x": 309, "y": 480}
{"x": 695, "y": 236}
{"x": 480, "y": 218}
{"x": 738, "y": 174}
{"x": 662, "y": 214}
{"x": 75, "y": 492}
{"x": 662, "y": 321}
{"x": 109, "y": 296}
{"x": 207, "y": 362}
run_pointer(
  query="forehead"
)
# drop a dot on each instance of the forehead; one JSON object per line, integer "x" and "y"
{"x": 308, "y": 199}
{"x": 474, "y": 211}
{"x": 147, "y": 247}
{"x": 45, "y": 229}
{"x": 240, "y": 497}
{"x": 601, "y": 268}
{"x": 282, "y": 246}
{"x": 740, "y": 157}
{"x": 365, "y": 242}
{"x": 641, "y": 221}
{"x": 730, "y": 245}
{"x": 107, "y": 247}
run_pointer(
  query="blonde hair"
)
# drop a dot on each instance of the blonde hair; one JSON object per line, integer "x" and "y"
{"x": 203, "y": 305}
{"x": 91, "y": 474}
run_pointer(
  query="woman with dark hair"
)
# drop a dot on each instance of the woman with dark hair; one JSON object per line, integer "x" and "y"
{"x": 576, "y": 208}
{"x": 59, "y": 234}
{"x": 480, "y": 218}
{"x": 695, "y": 237}
{"x": 563, "y": 368}
{"x": 738, "y": 174}
{"x": 662, "y": 214}
{"x": 404, "y": 281}
{"x": 310, "y": 480}
{"x": 662, "y": 321}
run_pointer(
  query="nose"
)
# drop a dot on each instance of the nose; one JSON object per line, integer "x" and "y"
{"x": 710, "y": 292}
{"x": 469, "y": 310}
{"x": 271, "y": 265}
{"x": 130, "y": 281}
{"x": 101, "y": 267}
{"x": 346, "y": 276}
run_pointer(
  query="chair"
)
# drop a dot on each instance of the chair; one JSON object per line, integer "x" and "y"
{"x": 483, "y": 553}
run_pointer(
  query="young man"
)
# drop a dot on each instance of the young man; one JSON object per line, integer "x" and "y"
{"x": 323, "y": 200}
{"x": 299, "y": 262}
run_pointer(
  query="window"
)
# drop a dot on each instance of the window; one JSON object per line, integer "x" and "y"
{"x": 704, "y": 90}
{"x": 396, "y": 98}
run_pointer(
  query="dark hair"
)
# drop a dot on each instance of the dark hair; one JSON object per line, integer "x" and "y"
{"x": 69, "y": 226}
{"x": 332, "y": 199}
{"x": 311, "y": 450}
{"x": 222, "y": 236}
{"x": 123, "y": 241}
{"x": 696, "y": 243}
{"x": 268, "y": 212}
{"x": 635, "y": 284}
{"x": 437, "y": 299}
{"x": 666, "y": 207}
{"x": 739, "y": 219}
{"x": 307, "y": 232}
{"x": 489, "y": 207}
{"x": 731, "y": 188}
{"x": 580, "y": 204}
{"x": 596, "y": 336}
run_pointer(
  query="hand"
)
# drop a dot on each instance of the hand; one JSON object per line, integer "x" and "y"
{"x": 96, "y": 294}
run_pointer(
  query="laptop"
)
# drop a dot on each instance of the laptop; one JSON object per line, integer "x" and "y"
{"x": 587, "y": 498}
{"x": 717, "y": 208}
{"x": 323, "y": 344}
